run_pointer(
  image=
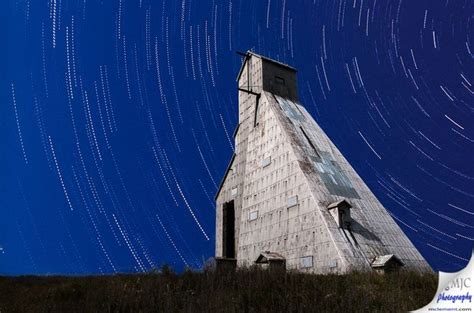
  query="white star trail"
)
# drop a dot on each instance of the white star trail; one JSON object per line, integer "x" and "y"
{"x": 60, "y": 176}
{"x": 131, "y": 107}
{"x": 18, "y": 126}
{"x": 369, "y": 145}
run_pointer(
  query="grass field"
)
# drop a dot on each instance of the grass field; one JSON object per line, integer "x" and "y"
{"x": 250, "y": 290}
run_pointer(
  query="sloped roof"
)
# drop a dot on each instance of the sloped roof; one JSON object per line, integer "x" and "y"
{"x": 383, "y": 260}
{"x": 319, "y": 153}
{"x": 225, "y": 176}
{"x": 251, "y": 53}
{"x": 267, "y": 256}
{"x": 341, "y": 203}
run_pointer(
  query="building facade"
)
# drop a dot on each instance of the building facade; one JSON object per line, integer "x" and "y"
{"x": 289, "y": 192}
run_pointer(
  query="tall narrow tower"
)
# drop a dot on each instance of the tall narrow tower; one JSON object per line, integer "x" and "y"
{"x": 289, "y": 195}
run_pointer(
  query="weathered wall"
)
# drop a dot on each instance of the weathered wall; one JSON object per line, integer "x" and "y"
{"x": 331, "y": 178}
{"x": 295, "y": 231}
{"x": 250, "y": 79}
{"x": 285, "y": 173}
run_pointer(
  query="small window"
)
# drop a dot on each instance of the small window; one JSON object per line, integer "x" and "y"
{"x": 234, "y": 191}
{"x": 266, "y": 161}
{"x": 253, "y": 215}
{"x": 307, "y": 261}
{"x": 292, "y": 201}
{"x": 279, "y": 80}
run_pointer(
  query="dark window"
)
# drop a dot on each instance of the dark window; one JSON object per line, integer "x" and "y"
{"x": 279, "y": 80}
{"x": 228, "y": 230}
{"x": 257, "y": 102}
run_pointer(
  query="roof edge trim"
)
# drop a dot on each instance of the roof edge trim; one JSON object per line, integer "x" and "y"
{"x": 251, "y": 53}
{"x": 225, "y": 177}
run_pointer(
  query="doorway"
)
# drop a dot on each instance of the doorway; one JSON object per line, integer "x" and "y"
{"x": 228, "y": 230}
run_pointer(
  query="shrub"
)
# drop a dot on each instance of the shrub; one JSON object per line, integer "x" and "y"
{"x": 245, "y": 290}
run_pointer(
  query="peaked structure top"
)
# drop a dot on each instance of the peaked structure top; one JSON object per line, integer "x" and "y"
{"x": 289, "y": 190}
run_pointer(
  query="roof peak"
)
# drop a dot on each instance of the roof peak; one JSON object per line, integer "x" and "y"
{"x": 249, "y": 54}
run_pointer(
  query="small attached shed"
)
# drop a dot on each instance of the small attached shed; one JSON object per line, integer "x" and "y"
{"x": 386, "y": 263}
{"x": 341, "y": 212}
{"x": 272, "y": 260}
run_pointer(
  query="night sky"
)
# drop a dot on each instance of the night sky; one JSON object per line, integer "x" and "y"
{"x": 117, "y": 120}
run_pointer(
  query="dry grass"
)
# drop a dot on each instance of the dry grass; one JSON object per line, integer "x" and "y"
{"x": 249, "y": 290}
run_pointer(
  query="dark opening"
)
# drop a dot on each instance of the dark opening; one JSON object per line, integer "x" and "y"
{"x": 228, "y": 230}
{"x": 310, "y": 143}
{"x": 255, "y": 120}
{"x": 279, "y": 81}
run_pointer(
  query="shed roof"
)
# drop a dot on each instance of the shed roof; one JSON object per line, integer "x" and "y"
{"x": 383, "y": 260}
{"x": 341, "y": 203}
{"x": 267, "y": 256}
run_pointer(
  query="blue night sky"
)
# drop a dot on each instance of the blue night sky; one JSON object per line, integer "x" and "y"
{"x": 117, "y": 119}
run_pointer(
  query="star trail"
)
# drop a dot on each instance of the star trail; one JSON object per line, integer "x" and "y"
{"x": 117, "y": 120}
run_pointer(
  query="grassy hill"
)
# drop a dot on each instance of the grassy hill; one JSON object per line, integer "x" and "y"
{"x": 250, "y": 290}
